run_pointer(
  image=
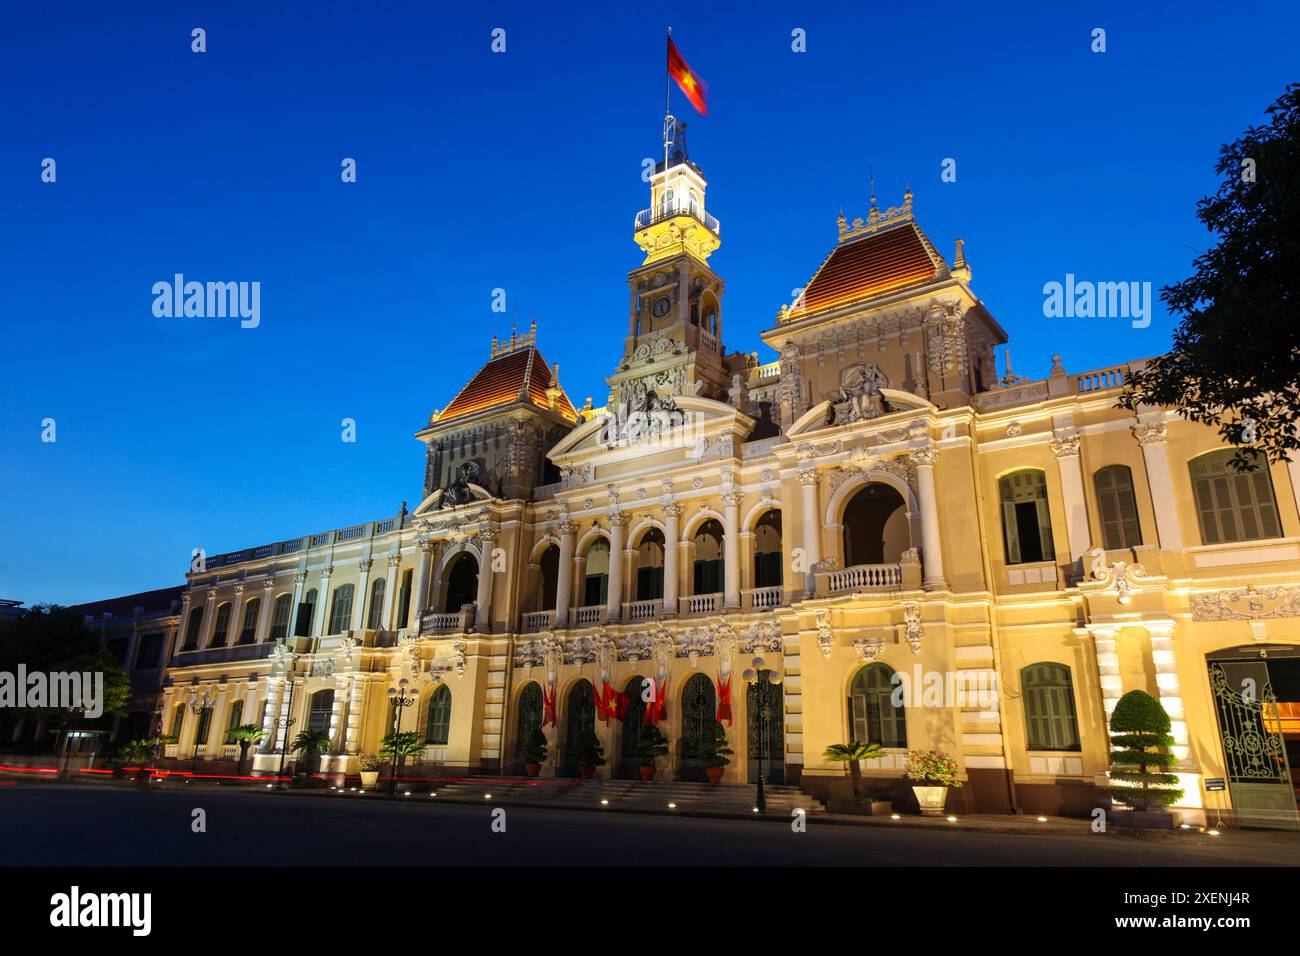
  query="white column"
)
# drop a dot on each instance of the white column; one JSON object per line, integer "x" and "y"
{"x": 209, "y": 617}
{"x": 931, "y": 541}
{"x": 564, "y": 582}
{"x": 299, "y": 586}
{"x": 322, "y": 601}
{"x": 1107, "y": 649}
{"x": 390, "y": 592}
{"x": 614, "y": 598}
{"x": 356, "y": 706}
{"x": 421, "y": 584}
{"x": 672, "y": 549}
{"x": 731, "y": 549}
{"x": 236, "y": 622}
{"x": 1168, "y": 684}
{"x": 1066, "y": 450}
{"x": 336, "y": 712}
{"x": 362, "y": 596}
{"x": 264, "y": 610}
{"x": 483, "y": 600}
{"x": 182, "y": 625}
{"x": 811, "y": 521}
{"x": 1151, "y": 436}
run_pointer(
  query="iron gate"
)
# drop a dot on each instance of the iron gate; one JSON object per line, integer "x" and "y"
{"x": 1259, "y": 775}
{"x": 698, "y": 711}
{"x": 579, "y": 720}
{"x": 765, "y": 729}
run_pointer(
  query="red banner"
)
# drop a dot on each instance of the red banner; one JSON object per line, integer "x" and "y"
{"x": 724, "y": 700}
{"x": 548, "y": 707}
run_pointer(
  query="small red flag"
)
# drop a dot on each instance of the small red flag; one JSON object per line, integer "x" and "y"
{"x": 687, "y": 79}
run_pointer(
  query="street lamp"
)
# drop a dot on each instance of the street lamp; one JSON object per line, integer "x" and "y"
{"x": 284, "y": 723}
{"x": 760, "y": 678}
{"x": 198, "y": 707}
{"x": 399, "y": 697}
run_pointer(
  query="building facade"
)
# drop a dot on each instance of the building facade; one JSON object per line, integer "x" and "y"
{"x": 874, "y": 514}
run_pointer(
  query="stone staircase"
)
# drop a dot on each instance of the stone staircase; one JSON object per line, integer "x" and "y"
{"x": 636, "y": 795}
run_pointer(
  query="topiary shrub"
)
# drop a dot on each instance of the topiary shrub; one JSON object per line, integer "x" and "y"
{"x": 1140, "y": 737}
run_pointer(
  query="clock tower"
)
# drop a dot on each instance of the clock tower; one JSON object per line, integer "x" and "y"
{"x": 674, "y": 331}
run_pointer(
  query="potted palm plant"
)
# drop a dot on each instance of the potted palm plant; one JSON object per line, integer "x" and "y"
{"x": 246, "y": 735}
{"x": 397, "y": 747}
{"x": 533, "y": 752}
{"x": 852, "y": 754}
{"x": 310, "y": 744}
{"x": 714, "y": 752}
{"x": 933, "y": 772}
{"x": 589, "y": 754}
{"x": 368, "y": 766}
{"x": 133, "y": 754}
{"x": 650, "y": 746}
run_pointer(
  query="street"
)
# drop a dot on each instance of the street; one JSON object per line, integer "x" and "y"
{"x": 57, "y": 825}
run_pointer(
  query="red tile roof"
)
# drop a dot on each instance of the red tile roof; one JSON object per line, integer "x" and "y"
{"x": 871, "y": 265}
{"x": 500, "y": 382}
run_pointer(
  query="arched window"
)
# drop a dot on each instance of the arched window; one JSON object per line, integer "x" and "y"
{"x": 438, "y": 724}
{"x": 178, "y": 721}
{"x": 699, "y": 707}
{"x": 221, "y": 626}
{"x": 633, "y": 718}
{"x": 596, "y": 583}
{"x": 376, "y": 618}
{"x": 709, "y": 558}
{"x": 875, "y": 526}
{"x": 306, "y": 611}
{"x": 248, "y": 631}
{"x": 462, "y": 582}
{"x": 1233, "y": 505}
{"x": 341, "y": 609}
{"x": 767, "y": 550}
{"x": 1026, "y": 523}
{"x": 320, "y": 710}
{"x": 236, "y": 718}
{"x": 529, "y": 718}
{"x": 1117, "y": 506}
{"x": 874, "y": 718}
{"x": 1050, "y": 721}
{"x": 192, "y": 628}
{"x": 548, "y": 578}
{"x": 404, "y": 600}
{"x": 579, "y": 721}
{"x": 280, "y": 617}
{"x": 205, "y": 727}
{"x": 650, "y": 566}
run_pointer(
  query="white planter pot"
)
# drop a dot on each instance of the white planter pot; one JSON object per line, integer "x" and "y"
{"x": 931, "y": 800}
{"x": 369, "y": 779}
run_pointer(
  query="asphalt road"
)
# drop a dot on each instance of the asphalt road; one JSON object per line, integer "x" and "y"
{"x": 52, "y": 825}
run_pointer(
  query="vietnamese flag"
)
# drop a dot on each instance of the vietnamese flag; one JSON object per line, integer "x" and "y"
{"x": 687, "y": 79}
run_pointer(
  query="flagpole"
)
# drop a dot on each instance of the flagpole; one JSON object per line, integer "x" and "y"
{"x": 668, "y": 89}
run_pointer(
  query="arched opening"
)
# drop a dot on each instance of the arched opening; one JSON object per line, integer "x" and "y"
{"x": 248, "y": 630}
{"x": 709, "y": 557}
{"x": 280, "y": 617}
{"x": 404, "y": 600}
{"x": 528, "y": 719}
{"x": 650, "y": 566}
{"x": 437, "y": 726}
{"x": 596, "y": 583}
{"x": 633, "y": 719}
{"x": 376, "y": 616}
{"x": 192, "y": 628}
{"x": 306, "y": 611}
{"x": 235, "y": 720}
{"x": 221, "y": 626}
{"x": 319, "y": 711}
{"x": 873, "y": 718}
{"x": 767, "y": 550}
{"x": 699, "y": 710}
{"x": 1233, "y": 505}
{"x": 875, "y": 526}
{"x": 548, "y": 577}
{"x": 462, "y": 582}
{"x": 1050, "y": 719}
{"x": 1026, "y": 519}
{"x": 579, "y": 720}
{"x": 341, "y": 608}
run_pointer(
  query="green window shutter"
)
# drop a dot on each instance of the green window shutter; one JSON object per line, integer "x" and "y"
{"x": 1044, "y": 526}
{"x": 1011, "y": 532}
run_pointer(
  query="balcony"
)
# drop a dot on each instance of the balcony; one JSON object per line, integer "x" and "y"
{"x": 861, "y": 577}
{"x": 677, "y": 206}
{"x": 534, "y": 621}
{"x": 457, "y": 622}
{"x": 592, "y": 614}
{"x": 760, "y": 599}
{"x": 700, "y": 603}
{"x": 642, "y": 610}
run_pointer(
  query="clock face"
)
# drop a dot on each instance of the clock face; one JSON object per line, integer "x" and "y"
{"x": 660, "y": 307}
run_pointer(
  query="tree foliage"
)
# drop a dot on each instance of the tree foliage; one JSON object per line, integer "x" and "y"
{"x": 50, "y": 638}
{"x": 1140, "y": 735}
{"x": 1235, "y": 360}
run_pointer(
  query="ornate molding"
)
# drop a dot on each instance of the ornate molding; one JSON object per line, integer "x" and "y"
{"x": 1247, "y": 604}
{"x": 1154, "y": 433}
{"x": 825, "y": 636}
{"x": 913, "y": 629}
{"x": 1065, "y": 446}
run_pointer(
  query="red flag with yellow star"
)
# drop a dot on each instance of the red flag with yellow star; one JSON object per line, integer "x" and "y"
{"x": 687, "y": 79}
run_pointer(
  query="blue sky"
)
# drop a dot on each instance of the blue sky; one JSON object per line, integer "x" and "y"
{"x": 518, "y": 171}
